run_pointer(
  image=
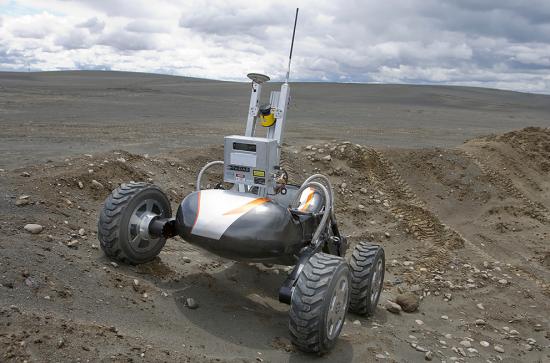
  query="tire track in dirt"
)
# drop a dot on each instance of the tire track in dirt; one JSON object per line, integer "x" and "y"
{"x": 407, "y": 206}
{"x": 538, "y": 211}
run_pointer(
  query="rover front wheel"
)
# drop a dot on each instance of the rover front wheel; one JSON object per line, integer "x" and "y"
{"x": 319, "y": 303}
{"x": 367, "y": 277}
{"x": 123, "y": 226}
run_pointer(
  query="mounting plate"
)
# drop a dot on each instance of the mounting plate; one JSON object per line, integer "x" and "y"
{"x": 258, "y": 77}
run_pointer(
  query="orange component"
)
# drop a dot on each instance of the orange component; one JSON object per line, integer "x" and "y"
{"x": 308, "y": 200}
{"x": 248, "y": 206}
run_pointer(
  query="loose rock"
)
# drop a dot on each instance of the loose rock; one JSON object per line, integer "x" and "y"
{"x": 73, "y": 243}
{"x": 429, "y": 355}
{"x": 393, "y": 307}
{"x": 191, "y": 303}
{"x": 96, "y": 185}
{"x": 499, "y": 348}
{"x": 408, "y": 302}
{"x": 33, "y": 228}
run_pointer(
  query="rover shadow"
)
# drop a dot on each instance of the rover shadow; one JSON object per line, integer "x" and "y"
{"x": 238, "y": 304}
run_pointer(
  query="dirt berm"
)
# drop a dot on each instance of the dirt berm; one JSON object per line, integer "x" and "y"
{"x": 465, "y": 229}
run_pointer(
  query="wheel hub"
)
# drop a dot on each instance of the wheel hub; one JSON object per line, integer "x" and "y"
{"x": 376, "y": 282}
{"x": 337, "y": 308}
{"x": 138, "y": 226}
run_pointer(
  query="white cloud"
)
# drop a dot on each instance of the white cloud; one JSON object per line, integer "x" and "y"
{"x": 494, "y": 43}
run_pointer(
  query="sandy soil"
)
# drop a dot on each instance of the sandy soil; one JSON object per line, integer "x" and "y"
{"x": 465, "y": 228}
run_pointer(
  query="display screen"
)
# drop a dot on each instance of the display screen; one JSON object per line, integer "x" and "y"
{"x": 244, "y": 147}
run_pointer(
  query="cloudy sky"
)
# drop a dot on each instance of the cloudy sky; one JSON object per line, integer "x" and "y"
{"x": 490, "y": 43}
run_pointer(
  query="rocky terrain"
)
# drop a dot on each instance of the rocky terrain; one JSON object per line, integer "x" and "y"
{"x": 466, "y": 231}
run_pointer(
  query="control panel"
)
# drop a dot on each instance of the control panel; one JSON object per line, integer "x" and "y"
{"x": 251, "y": 161}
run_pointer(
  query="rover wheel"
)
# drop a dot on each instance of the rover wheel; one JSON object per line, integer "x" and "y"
{"x": 319, "y": 303}
{"x": 367, "y": 277}
{"x": 124, "y": 220}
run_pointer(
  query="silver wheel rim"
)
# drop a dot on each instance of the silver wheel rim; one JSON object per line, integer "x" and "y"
{"x": 337, "y": 307}
{"x": 138, "y": 227}
{"x": 376, "y": 282}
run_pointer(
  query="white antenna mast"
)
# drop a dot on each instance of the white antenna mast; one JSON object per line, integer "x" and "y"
{"x": 291, "y": 46}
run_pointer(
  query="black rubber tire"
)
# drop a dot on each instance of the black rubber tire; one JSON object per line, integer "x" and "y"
{"x": 364, "y": 257}
{"x": 114, "y": 218}
{"x": 311, "y": 299}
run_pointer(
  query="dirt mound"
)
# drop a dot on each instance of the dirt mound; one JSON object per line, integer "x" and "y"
{"x": 465, "y": 230}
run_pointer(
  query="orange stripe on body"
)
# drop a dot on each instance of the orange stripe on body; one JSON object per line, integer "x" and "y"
{"x": 198, "y": 208}
{"x": 248, "y": 206}
{"x": 308, "y": 201}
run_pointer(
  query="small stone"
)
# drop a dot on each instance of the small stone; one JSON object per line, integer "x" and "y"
{"x": 466, "y": 343}
{"x": 80, "y": 185}
{"x": 94, "y": 246}
{"x": 387, "y": 234}
{"x": 356, "y": 323}
{"x": 33, "y": 228}
{"x": 343, "y": 185}
{"x": 444, "y": 317}
{"x": 136, "y": 282}
{"x": 484, "y": 344}
{"x": 114, "y": 264}
{"x": 480, "y": 306}
{"x": 82, "y": 231}
{"x": 499, "y": 348}
{"x": 363, "y": 190}
{"x": 191, "y": 303}
{"x": 73, "y": 243}
{"x": 380, "y": 356}
{"x": 503, "y": 281}
{"x": 429, "y": 355}
{"x": 419, "y": 322}
{"x": 96, "y": 185}
{"x": 25, "y": 174}
{"x": 420, "y": 348}
{"x": 448, "y": 296}
{"x": 32, "y": 283}
{"x": 409, "y": 302}
{"x": 47, "y": 297}
{"x": 22, "y": 200}
{"x": 186, "y": 260}
{"x": 480, "y": 322}
{"x": 327, "y": 158}
{"x": 392, "y": 307}
{"x": 361, "y": 206}
{"x": 408, "y": 263}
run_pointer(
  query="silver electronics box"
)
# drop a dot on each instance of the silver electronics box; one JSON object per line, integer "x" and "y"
{"x": 250, "y": 161}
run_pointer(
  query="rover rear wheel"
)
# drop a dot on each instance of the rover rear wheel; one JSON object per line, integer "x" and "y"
{"x": 367, "y": 277}
{"x": 319, "y": 303}
{"x": 123, "y": 226}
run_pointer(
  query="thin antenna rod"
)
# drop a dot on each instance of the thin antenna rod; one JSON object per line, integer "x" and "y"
{"x": 291, "y": 46}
